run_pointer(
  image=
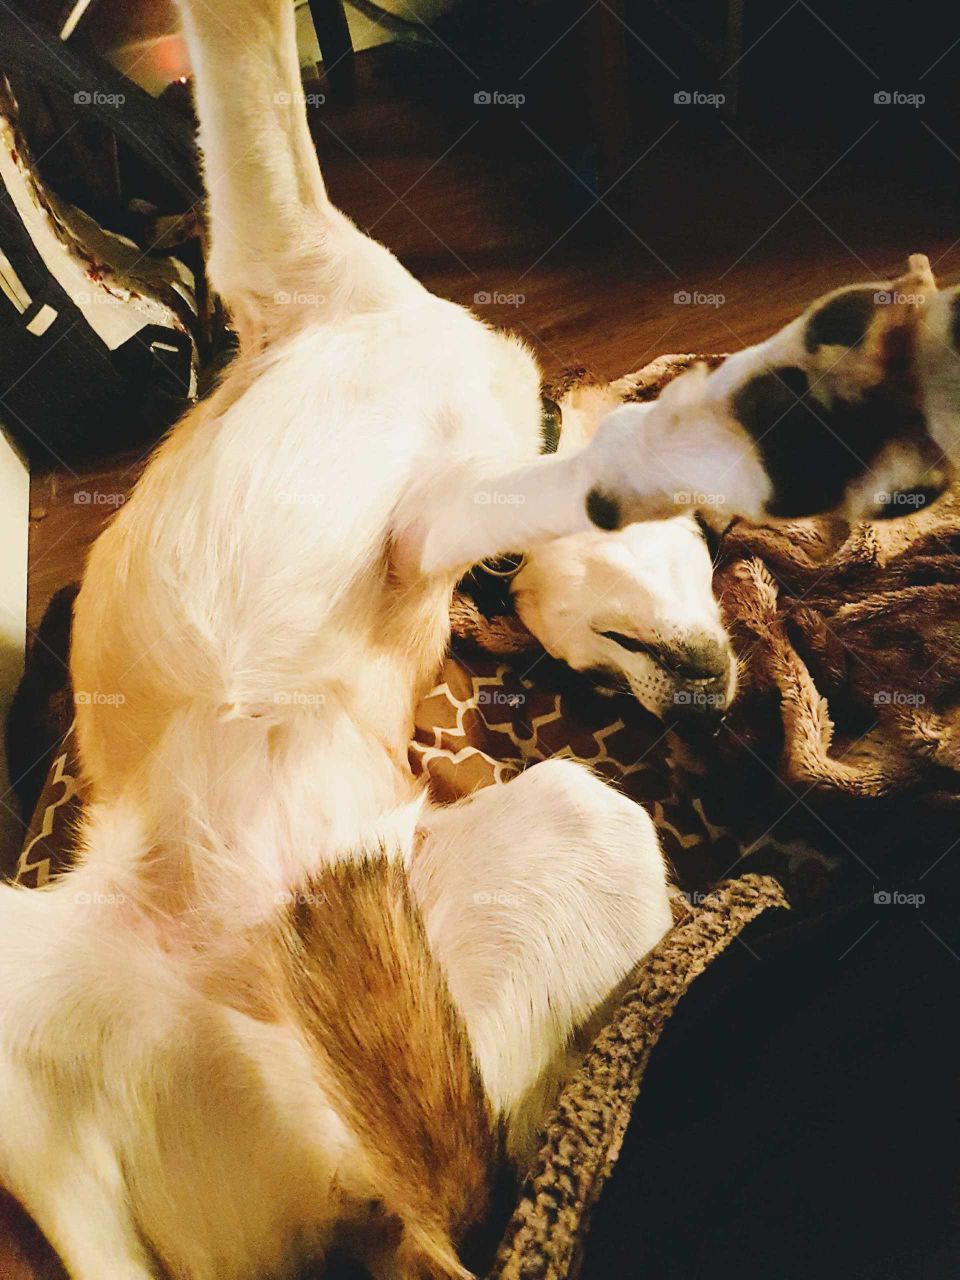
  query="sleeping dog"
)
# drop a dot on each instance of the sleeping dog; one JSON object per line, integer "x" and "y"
{"x": 283, "y": 1001}
{"x": 633, "y": 608}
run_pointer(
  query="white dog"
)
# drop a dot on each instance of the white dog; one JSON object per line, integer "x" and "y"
{"x": 282, "y": 1001}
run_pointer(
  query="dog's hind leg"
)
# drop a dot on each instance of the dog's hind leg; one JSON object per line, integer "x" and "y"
{"x": 273, "y": 228}
{"x": 538, "y": 898}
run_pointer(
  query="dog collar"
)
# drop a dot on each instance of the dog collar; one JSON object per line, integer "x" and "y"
{"x": 551, "y": 424}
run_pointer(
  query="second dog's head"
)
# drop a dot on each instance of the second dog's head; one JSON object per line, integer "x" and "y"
{"x": 636, "y": 610}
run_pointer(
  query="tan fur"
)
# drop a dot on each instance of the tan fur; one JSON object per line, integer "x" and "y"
{"x": 372, "y": 1000}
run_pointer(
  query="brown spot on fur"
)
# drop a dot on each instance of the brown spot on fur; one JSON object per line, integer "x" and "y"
{"x": 818, "y": 429}
{"x": 373, "y": 1001}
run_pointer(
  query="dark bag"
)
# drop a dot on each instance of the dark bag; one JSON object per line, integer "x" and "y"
{"x": 99, "y": 337}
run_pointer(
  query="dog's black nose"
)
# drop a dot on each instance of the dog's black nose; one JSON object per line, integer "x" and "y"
{"x": 700, "y": 657}
{"x": 701, "y": 666}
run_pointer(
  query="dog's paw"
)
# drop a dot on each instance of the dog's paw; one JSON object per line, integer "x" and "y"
{"x": 855, "y": 400}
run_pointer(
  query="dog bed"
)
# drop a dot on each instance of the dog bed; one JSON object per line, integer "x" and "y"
{"x": 848, "y": 709}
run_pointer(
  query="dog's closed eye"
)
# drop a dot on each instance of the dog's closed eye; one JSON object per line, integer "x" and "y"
{"x": 672, "y": 660}
{"x": 633, "y": 644}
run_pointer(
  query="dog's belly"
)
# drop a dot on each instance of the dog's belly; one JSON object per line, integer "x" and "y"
{"x": 270, "y": 579}
{"x": 237, "y": 801}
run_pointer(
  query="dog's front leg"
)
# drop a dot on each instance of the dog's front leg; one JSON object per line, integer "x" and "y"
{"x": 468, "y": 513}
{"x": 642, "y": 464}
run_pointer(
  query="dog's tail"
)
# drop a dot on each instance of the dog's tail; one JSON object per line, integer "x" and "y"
{"x": 393, "y": 1051}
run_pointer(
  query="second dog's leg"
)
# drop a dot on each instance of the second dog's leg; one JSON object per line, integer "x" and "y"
{"x": 538, "y": 897}
{"x": 644, "y": 463}
{"x": 852, "y": 400}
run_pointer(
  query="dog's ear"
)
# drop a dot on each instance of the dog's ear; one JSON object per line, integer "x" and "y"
{"x": 713, "y": 526}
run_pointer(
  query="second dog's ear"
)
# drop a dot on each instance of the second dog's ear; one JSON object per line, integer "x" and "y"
{"x": 713, "y": 526}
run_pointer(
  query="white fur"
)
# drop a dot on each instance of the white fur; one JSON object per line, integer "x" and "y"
{"x": 539, "y": 900}
{"x": 253, "y": 633}
{"x": 650, "y": 581}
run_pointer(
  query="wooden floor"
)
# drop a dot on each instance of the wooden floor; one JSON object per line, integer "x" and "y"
{"x": 482, "y": 205}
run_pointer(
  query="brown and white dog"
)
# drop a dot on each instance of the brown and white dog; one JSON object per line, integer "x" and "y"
{"x": 283, "y": 1001}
